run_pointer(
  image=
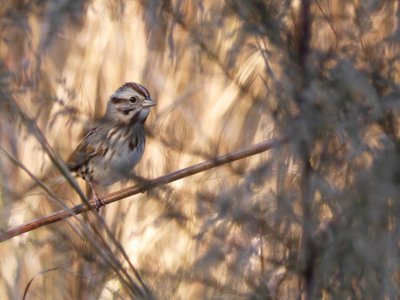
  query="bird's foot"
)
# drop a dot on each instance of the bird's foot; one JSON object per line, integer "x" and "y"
{"x": 98, "y": 202}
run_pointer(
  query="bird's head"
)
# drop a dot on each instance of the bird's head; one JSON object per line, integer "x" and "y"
{"x": 130, "y": 103}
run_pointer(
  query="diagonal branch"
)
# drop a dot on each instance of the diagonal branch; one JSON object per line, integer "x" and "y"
{"x": 140, "y": 188}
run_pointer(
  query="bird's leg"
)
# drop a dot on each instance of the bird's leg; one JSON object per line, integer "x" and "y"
{"x": 98, "y": 202}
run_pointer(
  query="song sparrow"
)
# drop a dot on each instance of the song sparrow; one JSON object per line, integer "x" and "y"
{"x": 114, "y": 145}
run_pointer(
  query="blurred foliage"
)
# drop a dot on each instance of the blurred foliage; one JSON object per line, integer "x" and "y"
{"x": 315, "y": 219}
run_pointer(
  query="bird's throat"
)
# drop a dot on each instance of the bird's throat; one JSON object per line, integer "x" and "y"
{"x": 140, "y": 116}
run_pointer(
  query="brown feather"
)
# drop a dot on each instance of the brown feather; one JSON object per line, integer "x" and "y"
{"x": 82, "y": 153}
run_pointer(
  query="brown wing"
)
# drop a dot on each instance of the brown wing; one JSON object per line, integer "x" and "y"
{"x": 83, "y": 153}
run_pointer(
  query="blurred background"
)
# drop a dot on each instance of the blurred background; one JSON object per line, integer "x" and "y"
{"x": 316, "y": 218}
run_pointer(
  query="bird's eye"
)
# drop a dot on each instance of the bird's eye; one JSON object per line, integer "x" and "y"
{"x": 133, "y": 100}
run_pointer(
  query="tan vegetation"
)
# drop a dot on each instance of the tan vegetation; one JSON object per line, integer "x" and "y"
{"x": 316, "y": 218}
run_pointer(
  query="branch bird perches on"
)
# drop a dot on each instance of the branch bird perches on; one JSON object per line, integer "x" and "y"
{"x": 140, "y": 188}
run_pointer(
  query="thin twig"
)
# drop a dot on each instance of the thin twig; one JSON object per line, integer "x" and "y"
{"x": 149, "y": 184}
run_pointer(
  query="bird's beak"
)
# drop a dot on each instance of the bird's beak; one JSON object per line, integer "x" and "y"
{"x": 148, "y": 103}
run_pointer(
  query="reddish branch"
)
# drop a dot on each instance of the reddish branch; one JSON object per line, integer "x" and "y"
{"x": 149, "y": 184}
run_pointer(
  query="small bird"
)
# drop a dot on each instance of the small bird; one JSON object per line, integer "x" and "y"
{"x": 115, "y": 144}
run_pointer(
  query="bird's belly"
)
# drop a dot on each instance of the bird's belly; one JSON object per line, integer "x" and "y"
{"x": 116, "y": 165}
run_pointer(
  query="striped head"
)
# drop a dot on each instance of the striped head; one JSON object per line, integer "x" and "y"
{"x": 129, "y": 104}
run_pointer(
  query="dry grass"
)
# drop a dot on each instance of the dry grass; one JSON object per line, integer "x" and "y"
{"x": 315, "y": 219}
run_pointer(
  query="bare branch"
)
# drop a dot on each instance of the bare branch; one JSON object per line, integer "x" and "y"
{"x": 145, "y": 186}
